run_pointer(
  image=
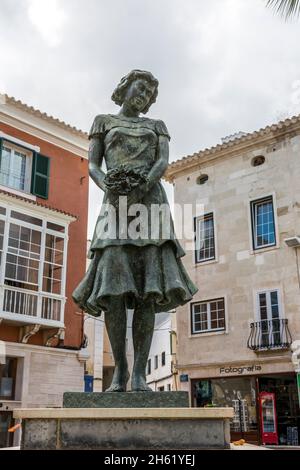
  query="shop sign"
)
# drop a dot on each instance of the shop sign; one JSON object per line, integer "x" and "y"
{"x": 240, "y": 370}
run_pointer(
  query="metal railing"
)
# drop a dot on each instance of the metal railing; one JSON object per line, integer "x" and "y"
{"x": 269, "y": 334}
{"x": 22, "y": 302}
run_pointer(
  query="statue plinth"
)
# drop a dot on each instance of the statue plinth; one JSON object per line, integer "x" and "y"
{"x": 126, "y": 400}
{"x": 125, "y": 428}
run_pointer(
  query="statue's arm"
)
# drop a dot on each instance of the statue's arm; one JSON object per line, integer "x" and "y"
{"x": 162, "y": 161}
{"x": 96, "y": 153}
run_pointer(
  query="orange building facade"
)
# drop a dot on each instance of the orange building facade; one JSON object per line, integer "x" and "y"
{"x": 43, "y": 232}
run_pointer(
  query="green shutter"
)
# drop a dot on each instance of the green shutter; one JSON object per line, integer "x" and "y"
{"x": 40, "y": 175}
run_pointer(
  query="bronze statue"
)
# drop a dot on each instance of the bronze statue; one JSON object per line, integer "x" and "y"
{"x": 142, "y": 271}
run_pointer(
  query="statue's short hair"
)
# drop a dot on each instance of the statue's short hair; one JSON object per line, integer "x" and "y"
{"x": 118, "y": 95}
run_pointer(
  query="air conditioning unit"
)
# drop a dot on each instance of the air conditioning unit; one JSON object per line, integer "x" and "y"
{"x": 293, "y": 242}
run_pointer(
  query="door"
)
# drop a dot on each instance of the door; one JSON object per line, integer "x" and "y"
{"x": 269, "y": 317}
{"x": 6, "y": 421}
{"x": 268, "y": 418}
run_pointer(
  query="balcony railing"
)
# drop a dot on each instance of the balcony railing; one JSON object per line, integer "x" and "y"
{"x": 269, "y": 334}
{"x": 34, "y": 307}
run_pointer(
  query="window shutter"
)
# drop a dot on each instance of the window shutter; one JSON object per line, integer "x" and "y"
{"x": 40, "y": 175}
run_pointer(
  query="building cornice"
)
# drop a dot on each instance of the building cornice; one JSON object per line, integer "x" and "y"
{"x": 42, "y": 209}
{"x": 32, "y": 121}
{"x": 262, "y": 137}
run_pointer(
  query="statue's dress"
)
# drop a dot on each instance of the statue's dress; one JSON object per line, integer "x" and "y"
{"x": 147, "y": 269}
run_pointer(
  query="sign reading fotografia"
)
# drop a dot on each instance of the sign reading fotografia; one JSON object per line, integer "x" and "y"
{"x": 240, "y": 370}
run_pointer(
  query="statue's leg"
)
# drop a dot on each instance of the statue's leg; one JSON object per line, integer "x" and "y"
{"x": 115, "y": 322}
{"x": 142, "y": 332}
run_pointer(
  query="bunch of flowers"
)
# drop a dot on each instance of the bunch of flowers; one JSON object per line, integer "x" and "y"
{"x": 123, "y": 180}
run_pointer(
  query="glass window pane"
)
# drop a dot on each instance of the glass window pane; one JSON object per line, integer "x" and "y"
{"x": 263, "y": 223}
{"x": 212, "y": 319}
{"x": 205, "y": 239}
{"x": 26, "y": 218}
{"x": 56, "y": 227}
{"x": 13, "y": 168}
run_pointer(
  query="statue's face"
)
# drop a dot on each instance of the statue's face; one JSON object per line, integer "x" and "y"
{"x": 139, "y": 94}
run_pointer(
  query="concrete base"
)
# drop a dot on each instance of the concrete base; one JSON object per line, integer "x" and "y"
{"x": 122, "y": 429}
{"x": 126, "y": 400}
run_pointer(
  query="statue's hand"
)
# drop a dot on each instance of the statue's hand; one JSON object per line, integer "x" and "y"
{"x": 136, "y": 196}
{"x": 101, "y": 184}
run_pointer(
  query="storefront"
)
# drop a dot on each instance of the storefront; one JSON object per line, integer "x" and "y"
{"x": 8, "y": 371}
{"x": 266, "y": 407}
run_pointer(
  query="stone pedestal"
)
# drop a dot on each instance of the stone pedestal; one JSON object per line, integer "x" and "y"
{"x": 126, "y": 400}
{"x": 125, "y": 428}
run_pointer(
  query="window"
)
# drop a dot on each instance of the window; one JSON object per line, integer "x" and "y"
{"x": 202, "y": 179}
{"x": 15, "y": 169}
{"x": 156, "y": 362}
{"x": 205, "y": 238}
{"x": 169, "y": 387}
{"x": 263, "y": 225}
{"x": 54, "y": 255}
{"x": 32, "y": 265}
{"x": 8, "y": 372}
{"x": 257, "y": 161}
{"x": 23, "y": 254}
{"x": 149, "y": 367}
{"x": 208, "y": 316}
{"x": 161, "y": 389}
{"x": 163, "y": 358}
{"x": 269, "y": 314}
{"x": 24, "y": 169}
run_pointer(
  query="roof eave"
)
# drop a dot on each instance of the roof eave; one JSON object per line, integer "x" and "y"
{"x": 231, "y": 148}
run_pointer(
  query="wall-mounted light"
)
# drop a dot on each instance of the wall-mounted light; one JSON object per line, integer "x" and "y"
{"x": 292, "y": 242}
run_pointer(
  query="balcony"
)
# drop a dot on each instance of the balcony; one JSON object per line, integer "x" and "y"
{"x": 269, "y": 335}
{"x": 23, "y": 307}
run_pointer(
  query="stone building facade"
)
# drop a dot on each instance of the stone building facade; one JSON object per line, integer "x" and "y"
{"x": 43, "y": 225}
{"x": 234, "y": 337}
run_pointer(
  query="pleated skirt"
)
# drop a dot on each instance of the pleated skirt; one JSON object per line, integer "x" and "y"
{"x": 149, "y": 275}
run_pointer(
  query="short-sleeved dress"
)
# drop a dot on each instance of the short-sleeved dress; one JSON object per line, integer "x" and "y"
{"x": 146, "y": 269}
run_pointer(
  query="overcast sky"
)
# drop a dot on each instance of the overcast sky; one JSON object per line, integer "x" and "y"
{"x": 223, "y": 65}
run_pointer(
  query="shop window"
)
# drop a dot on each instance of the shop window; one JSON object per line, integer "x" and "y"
{"x": 6, "y": 421}
{"x": 284, "y": 388}
{"x": 208, "y": 316}
{"x": 238, "y": 393}
{"x": 8, "y": 372}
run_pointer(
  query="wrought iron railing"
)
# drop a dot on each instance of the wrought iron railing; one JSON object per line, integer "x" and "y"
{"x": 269, "y": 334}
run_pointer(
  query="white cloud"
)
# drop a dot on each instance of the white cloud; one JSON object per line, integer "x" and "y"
{"x": 49, "y": 18}
{"x": 224, "y": 66}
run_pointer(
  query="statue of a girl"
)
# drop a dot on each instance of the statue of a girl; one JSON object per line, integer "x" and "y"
{"x": 143, "y": 273}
